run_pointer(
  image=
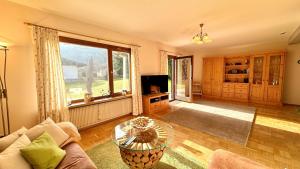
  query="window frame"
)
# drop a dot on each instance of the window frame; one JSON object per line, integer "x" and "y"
{"x": 110, "y": 49}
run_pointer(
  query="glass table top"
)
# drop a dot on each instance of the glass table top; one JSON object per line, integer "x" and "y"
{"x": 146, "y": 133}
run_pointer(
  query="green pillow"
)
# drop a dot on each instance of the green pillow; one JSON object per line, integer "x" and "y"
{"x": 43, "y": 152}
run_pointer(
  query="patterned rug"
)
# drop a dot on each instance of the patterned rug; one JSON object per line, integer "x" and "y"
{"x": 107, "y": 156}
{"x": 227, "y": 120}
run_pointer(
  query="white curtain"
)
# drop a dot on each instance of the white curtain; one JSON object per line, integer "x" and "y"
{"x": 163, "y": 62}
{"x": 49, "y": 75}
{"x": 137, "y": 107}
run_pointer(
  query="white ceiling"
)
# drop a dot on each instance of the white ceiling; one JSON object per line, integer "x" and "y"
{"x": 229, "y": 23}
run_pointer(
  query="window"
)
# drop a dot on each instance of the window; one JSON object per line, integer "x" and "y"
{"x": 121, "y": 71}
{"x": 99, "y": 69}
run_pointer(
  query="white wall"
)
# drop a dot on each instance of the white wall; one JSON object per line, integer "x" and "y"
{"x": 21, "y": 72}
{"x": 292, "y": 76}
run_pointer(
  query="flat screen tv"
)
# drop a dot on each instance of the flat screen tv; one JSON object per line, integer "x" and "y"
{"x": 160, "y": 81}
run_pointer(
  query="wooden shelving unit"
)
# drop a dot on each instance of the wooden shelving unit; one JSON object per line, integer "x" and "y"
{"x": 236, "y": 69}
{"x": 256, "y": 78}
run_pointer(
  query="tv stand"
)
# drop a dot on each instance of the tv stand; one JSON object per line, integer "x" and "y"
{"x": 153, "y": 103}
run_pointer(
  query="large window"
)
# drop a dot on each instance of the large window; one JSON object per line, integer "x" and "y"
{"x": 99, "y": 69}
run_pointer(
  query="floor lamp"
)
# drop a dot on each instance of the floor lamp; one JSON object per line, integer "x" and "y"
{"x": 3, "y": 96}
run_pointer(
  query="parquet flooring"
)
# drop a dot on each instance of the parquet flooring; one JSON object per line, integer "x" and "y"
{"x": 274, "y": 140}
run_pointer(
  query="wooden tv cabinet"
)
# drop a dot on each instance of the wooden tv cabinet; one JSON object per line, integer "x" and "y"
{"x": 153, "y": 103}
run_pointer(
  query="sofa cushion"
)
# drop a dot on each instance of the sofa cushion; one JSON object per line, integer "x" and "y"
{"x": 51, "y": 128}
{"x": 75, "y": 158}
{"x": 43, "y": 153}
{"x": 11, "y": 157}
{"x": 71, "y": 130}
{"x": 8, "y": 140}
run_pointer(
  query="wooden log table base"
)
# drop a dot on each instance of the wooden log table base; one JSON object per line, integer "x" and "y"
{"x": 141, "y": 159}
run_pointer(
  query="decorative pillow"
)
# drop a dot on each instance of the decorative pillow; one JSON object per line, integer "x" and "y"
{"x": 8, "y": 140}
{"x": 11, "y": 157}
{"x": 71, "y": 130}
{"x": 43, "y": 153}
{"x": 51, "y": 128}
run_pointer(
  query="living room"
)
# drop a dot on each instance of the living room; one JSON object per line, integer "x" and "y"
{"x": 217, "y": 83}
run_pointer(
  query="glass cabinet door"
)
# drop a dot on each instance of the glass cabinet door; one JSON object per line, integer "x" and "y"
{"x": 258, "y": 68}
{"x": 274, "y": 69}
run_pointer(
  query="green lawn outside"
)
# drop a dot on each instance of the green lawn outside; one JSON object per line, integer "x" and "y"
{"x": 169, "y": 85}
{"x": 76, "y": 90}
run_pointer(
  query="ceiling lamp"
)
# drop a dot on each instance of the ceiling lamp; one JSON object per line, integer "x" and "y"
{"x": 201, "y": 37}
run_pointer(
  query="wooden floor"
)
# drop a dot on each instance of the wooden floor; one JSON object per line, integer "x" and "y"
{"x": 274, "y": 139}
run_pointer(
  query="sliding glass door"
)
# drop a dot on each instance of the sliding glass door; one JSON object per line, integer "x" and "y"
{"x": 184, "y": 74}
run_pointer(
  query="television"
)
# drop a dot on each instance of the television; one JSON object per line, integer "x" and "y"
{"x": 148, "y": 81}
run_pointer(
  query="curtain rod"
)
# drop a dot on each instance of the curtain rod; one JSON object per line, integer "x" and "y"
{"x": 170, "y": 52}
{"x": 31, "y": 24}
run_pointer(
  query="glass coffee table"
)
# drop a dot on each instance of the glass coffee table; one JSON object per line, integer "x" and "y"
{"x": 142, "y": 141}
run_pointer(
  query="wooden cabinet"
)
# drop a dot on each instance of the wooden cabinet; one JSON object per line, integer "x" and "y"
{"x": 235, "y": 91}
{"x": 266, "y": 78}
{"x": 233, "y": 78}
{"x": 207, "y": 76}
{"x": 274, "y": 78}
{"x": 257, "y": 77}
{"x": 241, "y": 91}
{"x": 153, "y": 103}
{"x": 212, "y": 76}
{"x": 228, "y": 90}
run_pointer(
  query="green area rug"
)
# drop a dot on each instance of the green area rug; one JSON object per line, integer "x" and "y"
{"x": 107, "y": 156}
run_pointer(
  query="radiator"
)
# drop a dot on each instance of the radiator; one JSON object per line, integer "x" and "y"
{"x": 90, "y": 115}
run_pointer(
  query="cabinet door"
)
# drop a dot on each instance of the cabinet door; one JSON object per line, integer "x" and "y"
{"x": 217, "y": 76}
{"x": 274, "y": 77}
{"x": 257, "y": 92}
{"x": 217, "y": 69}
{"x": 274, "y": 69}
{"x": 257, "y": 77}
{"x": 206, "y": 89}
{"x": 207, "y": 73}
{"x": 216, "y": 89}
{"x": 273, "y": 94}
{"x": 207, "y": 70}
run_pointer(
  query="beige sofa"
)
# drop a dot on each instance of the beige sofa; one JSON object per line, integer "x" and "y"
{"x": 65, "y": 135}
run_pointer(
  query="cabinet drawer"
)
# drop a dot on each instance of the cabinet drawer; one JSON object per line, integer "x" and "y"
{"x": 228, "y": 89}
{"x": 228, "y": 85}
{"x": 241, "y": 86}
{"x": 164, "y": 104}
{"x": 228, "y": 95}
{"x": 241, "y": 91}
{"x": 240, "y": 96}
{"x": 155, "y": 106}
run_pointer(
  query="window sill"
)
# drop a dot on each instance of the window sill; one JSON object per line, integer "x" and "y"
{"x": 99, "y": 101}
